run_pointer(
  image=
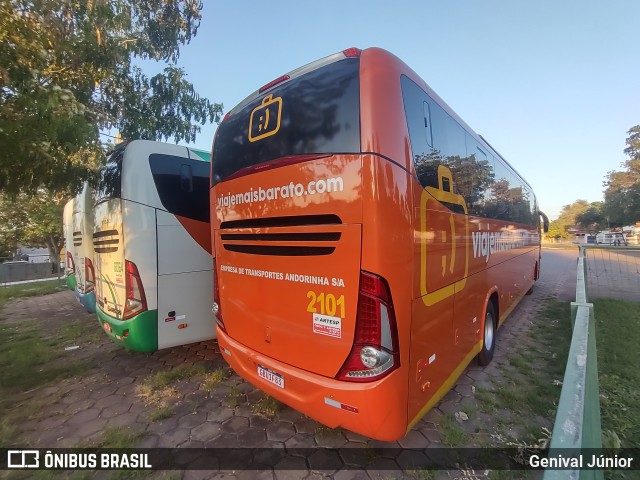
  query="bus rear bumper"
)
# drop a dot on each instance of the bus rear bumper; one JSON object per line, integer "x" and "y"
{"x": 87, "y": 300}
{"x": 139, "y": 333}
{"x": 377, "y": 409}
{"x": 71, "y": 282}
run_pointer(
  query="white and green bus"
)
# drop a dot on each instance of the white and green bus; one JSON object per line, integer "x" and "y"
{"x": 82, "y": 231}
{"x": 152, "y": 244}
{"x": 67, "y": 232}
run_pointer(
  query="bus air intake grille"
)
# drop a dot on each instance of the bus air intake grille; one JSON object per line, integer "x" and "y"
{"x": 293, "y": 221}
{"x": 77, "y": 239}
{"x": 282, "y": 251}
{"x": 284, "y": 237}
{"x": 106, "y": 241}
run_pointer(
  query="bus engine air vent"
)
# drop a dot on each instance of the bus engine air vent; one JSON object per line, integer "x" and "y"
{"x": 106, "y": 241}
{"x": 284, "y": 237}
{"x": 282, "y": 251}
{"x": 292, "y": 221}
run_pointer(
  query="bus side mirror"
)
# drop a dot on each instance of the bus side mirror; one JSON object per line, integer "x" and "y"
{"x": 545, "y": 221}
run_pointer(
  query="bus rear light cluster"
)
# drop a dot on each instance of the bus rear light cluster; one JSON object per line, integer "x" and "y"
{"x": 375, "y": 345}
{"x": 216, "y": 309}
{"x": 135, "y": 302}
{"x": 71, "y": 266}
{"x": 352, "y": 52}
{"x": 90, "y": 275}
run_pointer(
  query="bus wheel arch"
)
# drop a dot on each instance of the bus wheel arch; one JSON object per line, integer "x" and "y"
{"x": 489, "y": 330}
{"x": 536, "y": 275}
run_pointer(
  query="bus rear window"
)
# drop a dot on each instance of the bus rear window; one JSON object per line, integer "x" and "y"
{"x": 182, "y": 185}
{"x": 315, "y": 113}
{"x": 110, "y": 183}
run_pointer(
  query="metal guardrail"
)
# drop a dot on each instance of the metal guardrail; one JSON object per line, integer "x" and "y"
{"x": 577, "y": 424}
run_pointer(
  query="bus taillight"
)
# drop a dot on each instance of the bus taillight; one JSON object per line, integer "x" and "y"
{"x": 352, "y": 52}
{"x": 136, "y": 301}
{"x": 216, "y": 309}
{"x": 71, "y": 267}
{"x": 90, "y": 276}
{"x": 375, "y": 346}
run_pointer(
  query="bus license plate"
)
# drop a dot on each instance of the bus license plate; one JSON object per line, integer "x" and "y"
{"x": 271, "y": 376}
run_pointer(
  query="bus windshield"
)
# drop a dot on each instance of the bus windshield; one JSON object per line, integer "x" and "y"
{"x": 314, "y": 113}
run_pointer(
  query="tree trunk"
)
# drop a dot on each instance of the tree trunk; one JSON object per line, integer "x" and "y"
{"x": 54, "y": 254}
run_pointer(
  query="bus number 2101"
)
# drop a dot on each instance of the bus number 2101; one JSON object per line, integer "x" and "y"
{"x": 326, "y": 303}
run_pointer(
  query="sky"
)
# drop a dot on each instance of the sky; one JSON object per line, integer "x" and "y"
{"x": 553, "y": 85}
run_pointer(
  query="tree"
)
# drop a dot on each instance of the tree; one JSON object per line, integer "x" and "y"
{"x": 67, "y": 71}
{"x": 33, "y": 220}
{"x": 559, "y": 228}
{"x": 622, "y": 188}
{"x": 592, "y": 219}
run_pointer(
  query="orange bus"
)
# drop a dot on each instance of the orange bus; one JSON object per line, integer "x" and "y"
{"x": 367, "y": 243}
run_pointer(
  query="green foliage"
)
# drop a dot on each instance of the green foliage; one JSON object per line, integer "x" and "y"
{"x": 559, "y": 228}
{"x": 34, "y": 221}
{"x": 617, "y": 337}
{"x": 622, "y": 193}
{"x": 592, "y": 218}
{"x": 66, "y": 72}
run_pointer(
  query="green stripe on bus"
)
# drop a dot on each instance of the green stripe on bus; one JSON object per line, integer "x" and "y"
{"x": 71, "y": 282}
{"x": 206, "y": 156}
{"x": 142, "y": 330}
{"x": 113, "y": 293}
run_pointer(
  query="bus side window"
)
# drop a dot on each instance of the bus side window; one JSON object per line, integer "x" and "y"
{"x": 186, "y": 178}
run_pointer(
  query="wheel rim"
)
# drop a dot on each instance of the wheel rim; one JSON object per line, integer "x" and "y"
{"x": 488, "y": 332}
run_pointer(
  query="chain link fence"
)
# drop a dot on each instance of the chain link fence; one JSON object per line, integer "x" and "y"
{"x": 613, "y": 272}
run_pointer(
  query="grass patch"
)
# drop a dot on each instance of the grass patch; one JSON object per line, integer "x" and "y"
{"x": 617, "y": 340}
{"x": 529, "y": 389}
{"x": 487, "y": 399}
{"x": 80, "y": 332}
{"x": 32, "y": 289}
{"x": 161, "y": 412}
{"x": 452, "y": 433}
{"x": 421, "y": 474}
{"x": 118, "y": 437}
{"x": 165, "y": 378}
{"x": 267, "y": 406}
{"x": 235, "y": 397}
{"x": 213, "y": 378}
{"x": 29, "y": 359}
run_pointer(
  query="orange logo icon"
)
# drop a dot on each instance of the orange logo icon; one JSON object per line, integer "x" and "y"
{"x": 265, "y": 118}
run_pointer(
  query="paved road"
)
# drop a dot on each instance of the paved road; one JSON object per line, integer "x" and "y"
{"x": 78, "y": 410}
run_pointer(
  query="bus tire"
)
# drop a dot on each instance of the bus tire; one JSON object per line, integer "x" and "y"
{"x": 489, "y": 336}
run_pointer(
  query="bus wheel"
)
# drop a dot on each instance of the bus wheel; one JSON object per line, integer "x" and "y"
{"x": 489, "y": 337}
